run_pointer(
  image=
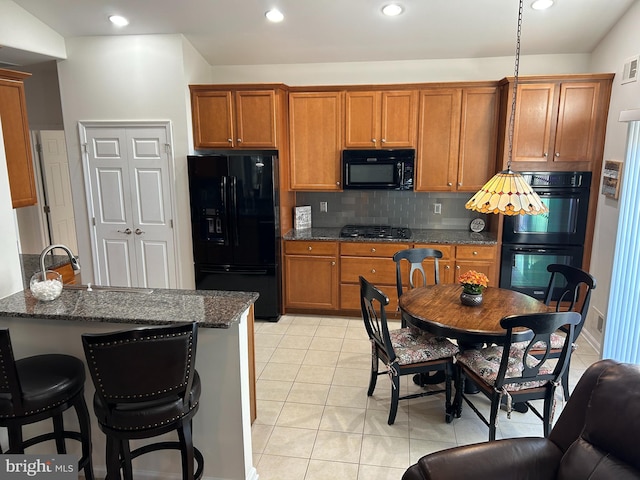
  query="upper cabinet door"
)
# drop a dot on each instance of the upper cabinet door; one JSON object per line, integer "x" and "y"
{"x": 398, "y": 119}
{"x": 256, "y": 119}
{"x": 224, "y": 118}
{"x": 212, "y": 118}
{"x": 315, "y": 126}
{"x": 362, "y": 120}
{"x": 577, "y": 122}
{"x": 438, "y": 139}
{"x": 15, "y": 130}
{"x": 478, "y": 137}
{"x": 381, "y": 119}
{"x": 535, "y": 118}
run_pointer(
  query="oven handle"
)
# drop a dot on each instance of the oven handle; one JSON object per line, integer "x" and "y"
{"x": 530, "y": 250}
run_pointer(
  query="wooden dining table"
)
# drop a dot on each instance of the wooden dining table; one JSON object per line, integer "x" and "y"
{"x": 437, "y": 309}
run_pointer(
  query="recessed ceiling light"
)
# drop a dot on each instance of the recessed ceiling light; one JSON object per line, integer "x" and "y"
{"x": 118, "y": 20}
{"x": 274, "y": 15}
{"x": 392, "y": 9}
{"x": 541, "y": 4}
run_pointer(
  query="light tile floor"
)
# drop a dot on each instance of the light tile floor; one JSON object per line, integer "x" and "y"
{"x": 315, "y": 420}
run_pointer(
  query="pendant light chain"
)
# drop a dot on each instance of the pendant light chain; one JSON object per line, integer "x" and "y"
{"x": 512, "y": 117}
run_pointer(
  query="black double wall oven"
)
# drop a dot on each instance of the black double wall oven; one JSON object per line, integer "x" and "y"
{"x": 531, "y": 242}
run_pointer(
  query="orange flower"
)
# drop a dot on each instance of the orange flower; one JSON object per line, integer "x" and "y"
{"x": 473, "y": 282}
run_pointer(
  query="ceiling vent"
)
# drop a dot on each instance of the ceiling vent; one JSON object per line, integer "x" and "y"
{"x": 630, "y": 71}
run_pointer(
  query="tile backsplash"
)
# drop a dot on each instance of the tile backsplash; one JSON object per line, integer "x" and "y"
{"x": 387, "y": 207}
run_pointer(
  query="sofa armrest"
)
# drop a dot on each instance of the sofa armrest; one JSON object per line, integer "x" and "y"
{"x": 517, "y": 458}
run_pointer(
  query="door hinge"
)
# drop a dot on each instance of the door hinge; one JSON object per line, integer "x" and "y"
{"x": 171, "y": 223}
{"x": 46, "y": 209}
{"x": 84, "y": 149}
{"x": 39, "y": 148}
{"x": 93, "y": 221}
{"x": 167, "y": 147}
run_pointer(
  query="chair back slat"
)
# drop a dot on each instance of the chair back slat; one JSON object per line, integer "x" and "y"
{"x": 415, "y": 257}
{"x": 539, "y": 327}
{"x": 375, "y": 319}
{"x": 146, "y": 363}
{"x": 572, "y": 287}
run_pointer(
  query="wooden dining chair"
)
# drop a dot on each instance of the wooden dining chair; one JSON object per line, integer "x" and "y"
{"x": 417, "y": 274}
{"x": 510, "y": 374}
{"x": 569, "y": 290}
{"x": 404, "y": 351}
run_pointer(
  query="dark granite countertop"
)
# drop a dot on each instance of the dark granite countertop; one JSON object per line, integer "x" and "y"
{"x": 418, "y": 236}
{"x": 210, "y": 308}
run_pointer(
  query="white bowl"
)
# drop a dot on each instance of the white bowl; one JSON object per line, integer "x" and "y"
{"x": 47, "y": 287}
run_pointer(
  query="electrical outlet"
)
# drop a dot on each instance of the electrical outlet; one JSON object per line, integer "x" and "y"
{"x": 437, "y": 208}
{"x": 323, "y": 206}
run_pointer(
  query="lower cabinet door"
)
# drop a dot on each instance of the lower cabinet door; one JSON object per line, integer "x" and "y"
{"x": 311, "y": 282}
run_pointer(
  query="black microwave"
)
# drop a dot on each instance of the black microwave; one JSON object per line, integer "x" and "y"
{"x": 378, "y": 169}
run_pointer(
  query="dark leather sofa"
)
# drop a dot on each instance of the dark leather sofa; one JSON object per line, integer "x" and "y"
{"x": 596, "y": 437}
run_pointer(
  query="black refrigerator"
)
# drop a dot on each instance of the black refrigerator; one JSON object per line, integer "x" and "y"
{"x": 235, "y": 225}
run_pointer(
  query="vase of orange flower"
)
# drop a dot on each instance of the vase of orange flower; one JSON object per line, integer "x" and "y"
{"x": 473, "y": 284}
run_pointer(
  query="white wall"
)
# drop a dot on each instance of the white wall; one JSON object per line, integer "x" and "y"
{"x": 19, "y": 29}
{"x": 410, "y": 71}
{"x": 11, "y": 278}
{"x": 621, "y": 43}
{"x": 127, "y": 78}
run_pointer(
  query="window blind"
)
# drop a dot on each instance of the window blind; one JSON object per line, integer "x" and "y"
{"x": 622, "y": 334}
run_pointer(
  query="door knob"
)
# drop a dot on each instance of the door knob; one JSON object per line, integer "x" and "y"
{"x": 139, "y": 232}
{"x": 127, "y": 231}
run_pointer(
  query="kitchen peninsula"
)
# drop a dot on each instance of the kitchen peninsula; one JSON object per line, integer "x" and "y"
{"x": 224, "y": 360}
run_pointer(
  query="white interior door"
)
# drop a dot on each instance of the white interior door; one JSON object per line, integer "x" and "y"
{"x": 130, "y": 204}
{"x": 57, "y": 184}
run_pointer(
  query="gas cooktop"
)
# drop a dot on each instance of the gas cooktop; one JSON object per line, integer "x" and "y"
{"x": 375, "y": 231}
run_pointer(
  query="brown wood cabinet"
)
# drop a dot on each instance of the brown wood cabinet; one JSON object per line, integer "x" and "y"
{"x": 315, "y": 139}
{"x": 311, "y": 275}
{"x": 68, "y": 275}
{"x": 314, "y": 276}
{"x": 457, "y": 137}
{"x": 380, "y": 119}
{"x": 15, "y": 130}
{"x": 479, "y": 258}
{"x": 226, "y": 117}
{"x": 374, "y": 261}
{"x": 559, "y": 124}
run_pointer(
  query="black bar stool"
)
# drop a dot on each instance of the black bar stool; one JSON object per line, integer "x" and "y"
{"x": 36, "y": 388}
{"x": 146, "y": 385}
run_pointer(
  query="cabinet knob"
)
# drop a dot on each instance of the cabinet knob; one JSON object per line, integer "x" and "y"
{"x": 449, "y": 184}
{"x": 557, "y": 154}
{"x": 384, "y": 140}
{"x": 373, "y": 140}
{"x": 447, "y": 267}
{"x": 457, "y": 267}
{"x": 333, "y": 263}
{"x": 230, "y": 140}
{"x": 338, "y": 183}
{"x": 373, "y": 250}
{"x": 546, "y": 154}
{"x": 459, "y": 184}
{"x": 239, "y": 140}
{"x": 309, "y": 248}
{"x": 475, "y": 253}
{"x": 373, "y": 270}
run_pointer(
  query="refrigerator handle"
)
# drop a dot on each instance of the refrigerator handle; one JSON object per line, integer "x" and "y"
{"x": 234, "y": 207}
{"x": 224, "y": 188}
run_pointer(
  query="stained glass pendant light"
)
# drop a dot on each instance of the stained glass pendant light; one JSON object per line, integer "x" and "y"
{"x": 507, "y": 192}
